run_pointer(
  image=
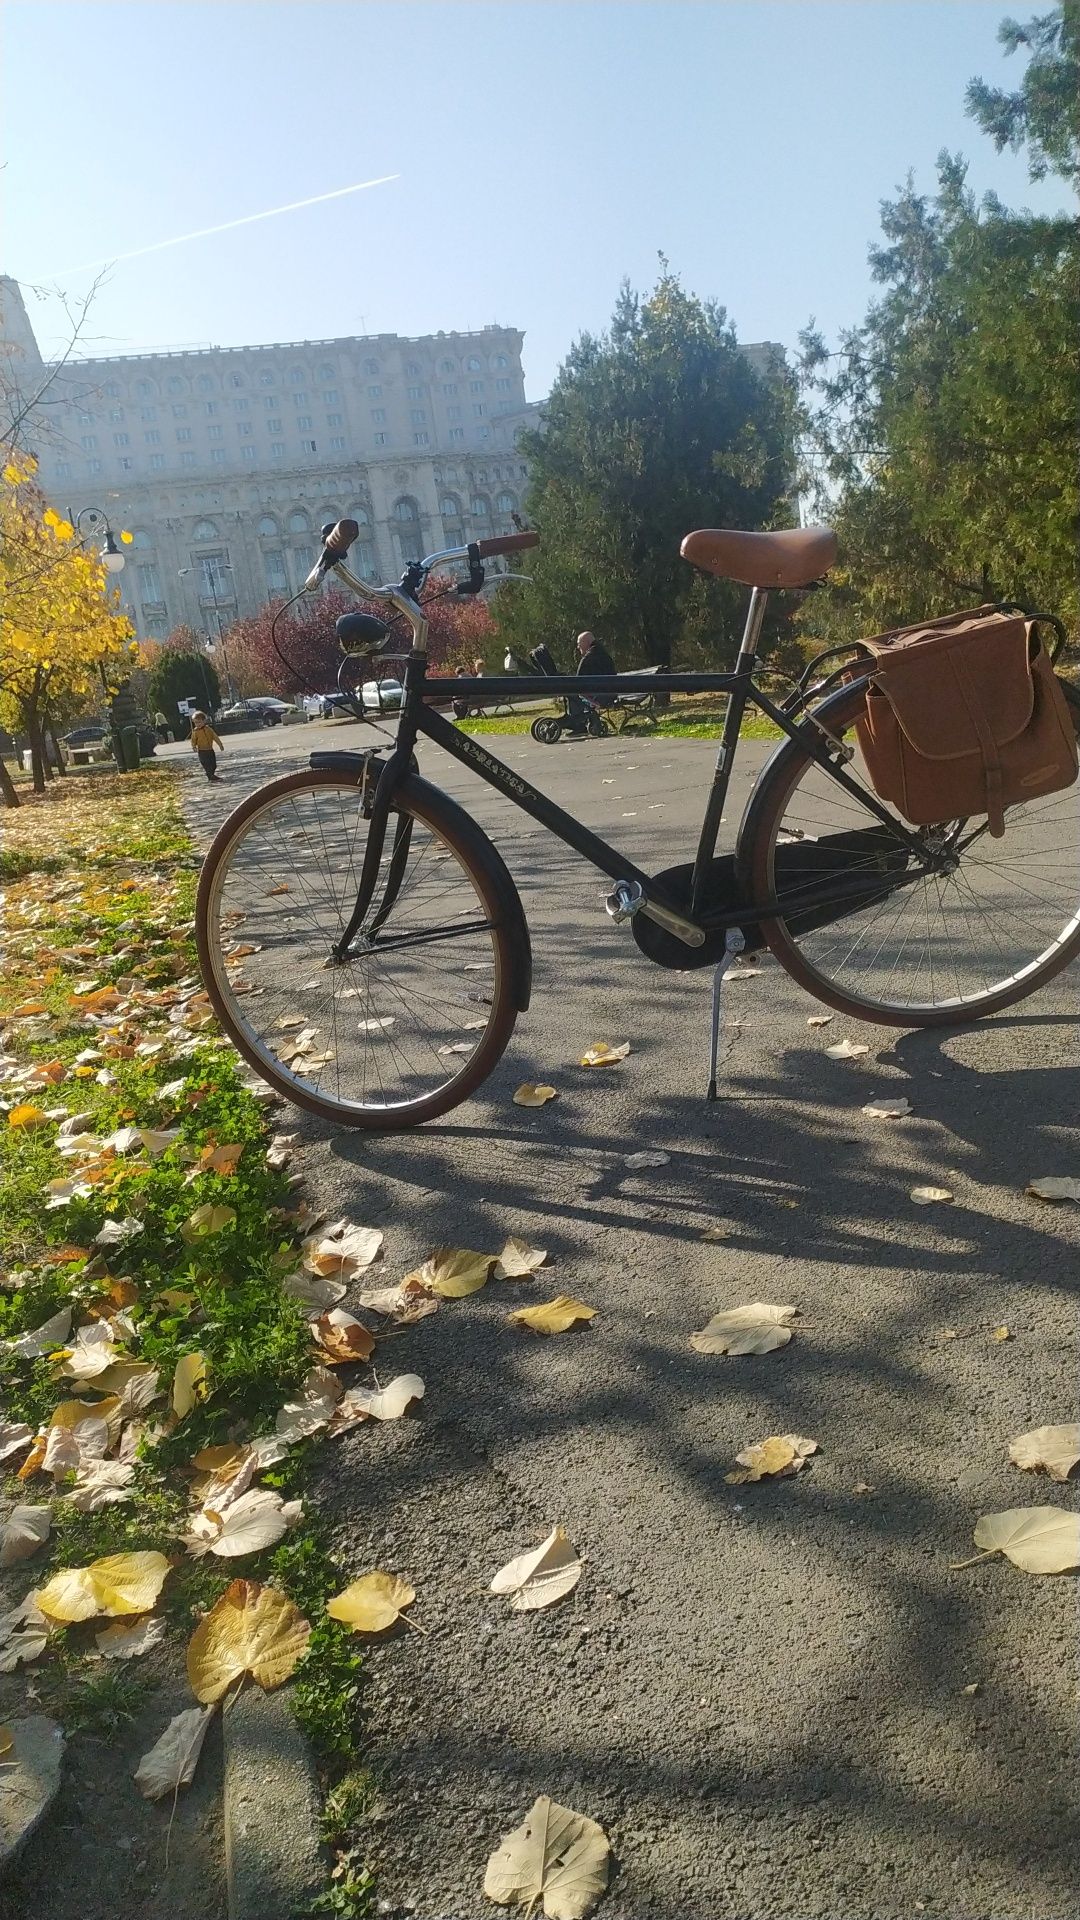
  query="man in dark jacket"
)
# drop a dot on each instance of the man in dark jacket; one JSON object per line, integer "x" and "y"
{"x": 594, "y": 658}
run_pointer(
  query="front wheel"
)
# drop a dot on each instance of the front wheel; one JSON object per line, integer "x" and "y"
{"x": 995, "y": 921}
{"x": 547, "y": 730}
{"x": 415, "y": 1017}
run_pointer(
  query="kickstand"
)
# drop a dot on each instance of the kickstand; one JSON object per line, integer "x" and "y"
{"x": 733, "y": 944}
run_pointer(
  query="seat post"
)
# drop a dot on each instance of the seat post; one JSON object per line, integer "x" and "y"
{"x": 729, "y": 740}
{"x": 755, "y": 614}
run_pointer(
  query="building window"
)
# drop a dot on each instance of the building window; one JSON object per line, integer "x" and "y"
{"x": 236, "y": 379}
{"x": 378, "y": 415}
{"x": 327, "y": 373}
{"x": 478, "y": 409}
{"x": 157, "y": 462}
{"x": 149, "y": 583}
{"x": 453, "y": 413}
{"x": 204, "y": 530}
{"x": 266, "y": 380}
{"x": 148, "y": 413}
{"x": 371, "y": 367}
{"x": 210, "y": 406}
{"x": 457, "y": 433}
{"x": 298, "y": 522}
{"x": 381, "y": 439}
{"x": 450, "y": 507}
{"x": 113, "y": 390}
{"x": 89, "y": 442}
{"x": 299, "y": 399}
{"x": 244, "y": 430}
{"x": 415, "y": 393}
{"x": 335, "y": 419}
{"x": 187, "y": 459}
{"x": 483, "y": 434}
{"x": 268, "y": 526}
{"x": 175, "y": 384}
{"x": 417, "y": 417}
{"x": 480, "y": 507}
{"x": 277, "y": 450}
{"x": 215, "y": 433}
{"x": 179, "y": 413}
{"x": 476, "y": 386}
{"x": 337, "y": 443}
{"x": 116, "y": 416}
{"x": 506, "y": 503}
{"x": 121, "y": 439}
{"x": 296, "y": 376}
{"x": 183, "y": 433}
{"x": 420, "y": 439}
{"x": 241, "y": 406}
{"x": 365, "y": 559}
{"x": 93, "y": 466}
{"x": 270, "y": 402}
{"x": 374, "y": 393}
{"x": 447, "y": 366}
{"x": 411, "y": 368}
{"x": 144, "y": 389}
{"x": 63, "y": 470}
{"x": 277, "y": 580}
{"x": 331, "y": 397}
{"x": 501, "y": 360}
{"x": 406, "y": 510}
{"x": 86, "y": 419}
{"x": 214, "y": 571}
{"x": 473, "y": 364}
{"x": 205, "y": 383}
{"x": 126, "y": 465}
{"x": 503, "y": 386}
{"x": 303, "y": 422}
{"x": 217, "y": 456}
{"x": 275, "y": 426}
{"x": 247, "y": 453}
{"x": 153, "y": 438}
{"x": 449, "y": 390}
{"x": 156, "y": 627}
{"x": 309, "y": 446}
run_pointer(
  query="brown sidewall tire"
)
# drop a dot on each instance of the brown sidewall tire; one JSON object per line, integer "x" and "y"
{"x": 772, "y": 801}
{"x": 469, "y": 844}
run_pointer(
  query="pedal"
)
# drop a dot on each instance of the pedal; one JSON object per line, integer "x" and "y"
{"x": 626, "y": 898}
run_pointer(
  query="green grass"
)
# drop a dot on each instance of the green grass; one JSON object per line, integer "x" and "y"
{"x": 669, "y": 726}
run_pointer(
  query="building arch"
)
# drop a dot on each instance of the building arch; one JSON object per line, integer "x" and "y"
{"x": 204, "y": 530}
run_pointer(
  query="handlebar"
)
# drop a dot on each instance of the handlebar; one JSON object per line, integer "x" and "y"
{"x": 506, "y": 543}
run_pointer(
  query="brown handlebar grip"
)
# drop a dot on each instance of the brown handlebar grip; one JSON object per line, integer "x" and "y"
{"x": 507, "y": 543}
{"x": 340, "y": 538}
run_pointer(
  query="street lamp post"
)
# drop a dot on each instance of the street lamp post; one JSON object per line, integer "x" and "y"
{"x": 112, "y": 559}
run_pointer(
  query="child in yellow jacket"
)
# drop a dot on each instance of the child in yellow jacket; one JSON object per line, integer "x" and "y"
{"x": 203, "y": 742}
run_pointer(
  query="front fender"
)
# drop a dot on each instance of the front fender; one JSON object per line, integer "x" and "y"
{"x": 442, "y": 812}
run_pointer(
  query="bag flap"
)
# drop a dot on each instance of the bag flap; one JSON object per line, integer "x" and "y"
{"x": 951, "y": 683}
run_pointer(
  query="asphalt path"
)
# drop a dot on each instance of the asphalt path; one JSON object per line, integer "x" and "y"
{"x": 762, "y": 1692}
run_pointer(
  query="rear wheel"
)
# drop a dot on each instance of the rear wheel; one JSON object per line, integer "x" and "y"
{"x": 943, "y": 947}
{"x": 416, "y": 1016}
{"x": 547, "y": 730}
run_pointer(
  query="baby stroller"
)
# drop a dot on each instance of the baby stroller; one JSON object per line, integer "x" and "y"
{"x": 580, "y": 718}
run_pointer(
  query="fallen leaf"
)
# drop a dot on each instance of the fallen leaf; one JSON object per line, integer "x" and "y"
{"x": 23, "y": 1634}
{"x": 1000, "y": 1333}
{"x": 1055, "y": 1448}
{"x": 971, "y": 1688}
{"x": 820, "y": 1020}
{"x": 557, "y": 1856}
{"x": 455, "y": 1046}
{"x": 172, "y": 1760}
{"x": 340, "y": 1338}
{"x": 377, "y": 1403}
{"x": 116, "y": 1233}
{"x": 93, "y": 1352}
{"x": 781, "y": 1455}
{"x": 205, "y": 1221}
{"x": 452, "y": 1272}
{"x": 26, "y": 1116}
{"x": 311, "y": 1412}
{"x": 404, "y": 1303}
{"x": 1054, "y": 1186}
{"x": 313, "y": 1292}
{"x": 647, "y": 1159}
{"x": 927, "y": 1196}
{"x": 52, "y": 1333}
{"x": 540, "y": 1577}
{"x": 716, "y": 1232}
{"x": 603, "y": 1055}
{"x": 101, "y": 1483}
{"x": 518, "y": 1260}
{"x": 529, "y": 1096}
{"x": 892, "y": 1109}
{"x": 758, "y": 1327}
{"x": 223, "y": 1160}
{"x": 25, "y": 1530}
{"x": 251, "y": 1522}
{"x": 126, "y": 1641}
{"x": 342, "y": 1250}
{"x": 250, "y": 1629}
{"x": 847, "y": 1050}
{"x": 14, "y": 1436}
{"x": 120, "y": 1583}
{"x": 1036, "y": 1539}
{"x": 190, "y": 1383}
{"x": 378, "y": 1025}
{"x": 7, "y": 1742}
{"x": 554, "y": 1316}
{"x": 372, "y": 1603}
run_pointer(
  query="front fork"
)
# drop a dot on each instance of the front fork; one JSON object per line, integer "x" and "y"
{"x": 378, "y": 817}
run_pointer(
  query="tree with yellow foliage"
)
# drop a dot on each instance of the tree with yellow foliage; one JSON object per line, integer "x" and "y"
{"x": 62, "y": 636}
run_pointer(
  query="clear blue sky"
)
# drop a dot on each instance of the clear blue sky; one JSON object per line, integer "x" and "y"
{"x": 545, "y": 150}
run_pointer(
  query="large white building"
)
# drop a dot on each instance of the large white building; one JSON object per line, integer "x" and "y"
{"x": 224, "y": 462}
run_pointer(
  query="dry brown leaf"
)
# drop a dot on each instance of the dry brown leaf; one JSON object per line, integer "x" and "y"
{"x": 377, "y": 1403}
{"x": 540, "y": 1577}
{"x": 554, "y": 1316}
{"x": 603, "y": 1055}
{"x": 223, "y": 1160}
{"x": 1055, "y": 1448}
{"x": 847, "y": 1050}
{"x": 190, "y": 1384}
{"x": 758, "y": 1327}
{"x": 52, "y": 1333}
{"x": 25, "y": 1530}
{"x": 129, "y": 1640}
{"x": 342, "y": 1251}
{"x": 1000, "y": 1333}
{"x": 556, "y": 1856}
{"x": 820, "y": 1020}
{"x": 518, "y": 1260}
{"x": 1036, "y": 1539}
{"x": 1054, "y": 1186}
{"x": 880, "y": 1108}
{"x": 372, "y": 1603}
{"x": 14, "y": 1436}
{"x": 119, "y": 1583}
{"x": 646, "y": 1159}
{"x": 929, "y": 1196}
{"x": 26, "y": 1115}
{"x": 341, "y": 1339}
{"x": 250, "y": 1629}
{"x": 172, "y": 1760}
{"x": 251, "y": 1522}
{"x": 101, "y": 1483}
{"x": 529, "y": 1095}
{"x": 452, "y": 1272}
{"x": 781, "y": 1455}
{"x": 312, "y": 1408}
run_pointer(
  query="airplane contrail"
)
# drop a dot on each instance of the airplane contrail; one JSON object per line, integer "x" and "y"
{"x": 245, "y": 221}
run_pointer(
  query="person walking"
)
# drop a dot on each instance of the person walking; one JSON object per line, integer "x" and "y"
{"x": 161, "y": 726}
{"x": 203, "y": 742}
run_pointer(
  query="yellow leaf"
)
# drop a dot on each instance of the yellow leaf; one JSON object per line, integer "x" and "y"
{"x": 69, "y": 1595}
{"x": 1001, "y": 1333}
{"x": 758, "y": 1327}
{"x": 220, "y": 1159}
{"x": 603, "y": 1055}
{"x": 452, "y": 1272}
{"x": 556, "y": 1856}
{"x": 1036, "y": 1539}
{"x": 120, "y": 1583}
{"x": 251, "y": 1629}
{"x": 540, "y": 1577}
{"x": 781, "y": 1455}
{"x": 26, "y": 1116}
{"x": 204, "y": 1221}
{"x": 372, "y": 1603}
{"x": 7, "y": 1737}
{"x": 518, "y": 1260}
{"x": 554, "y": 1316}
{"x": 1055, "y": 1448}
{"x": 529, "y": 1096}
{"x": 190, "y": 1384}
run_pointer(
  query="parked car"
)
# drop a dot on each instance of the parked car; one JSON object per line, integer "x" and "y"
{"x": 381, "y": 696}
{"x": 273, "y": 711}
{"x": 241, "y": 717}
{"x": 98, "y": 740}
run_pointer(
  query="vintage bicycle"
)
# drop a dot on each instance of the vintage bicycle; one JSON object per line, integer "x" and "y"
{"x": 365, "y": 947}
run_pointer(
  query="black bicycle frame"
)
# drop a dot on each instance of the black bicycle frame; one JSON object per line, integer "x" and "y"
{"x": 418, "y": 718}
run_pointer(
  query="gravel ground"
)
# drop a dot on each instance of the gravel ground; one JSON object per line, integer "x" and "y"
{"x": 757, "y": 1690}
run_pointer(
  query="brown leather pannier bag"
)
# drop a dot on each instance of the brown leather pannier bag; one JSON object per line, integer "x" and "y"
{"x": 964, "y": 716}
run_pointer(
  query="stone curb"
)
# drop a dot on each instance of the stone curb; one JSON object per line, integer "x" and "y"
{"x": 275, "y": 1862}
